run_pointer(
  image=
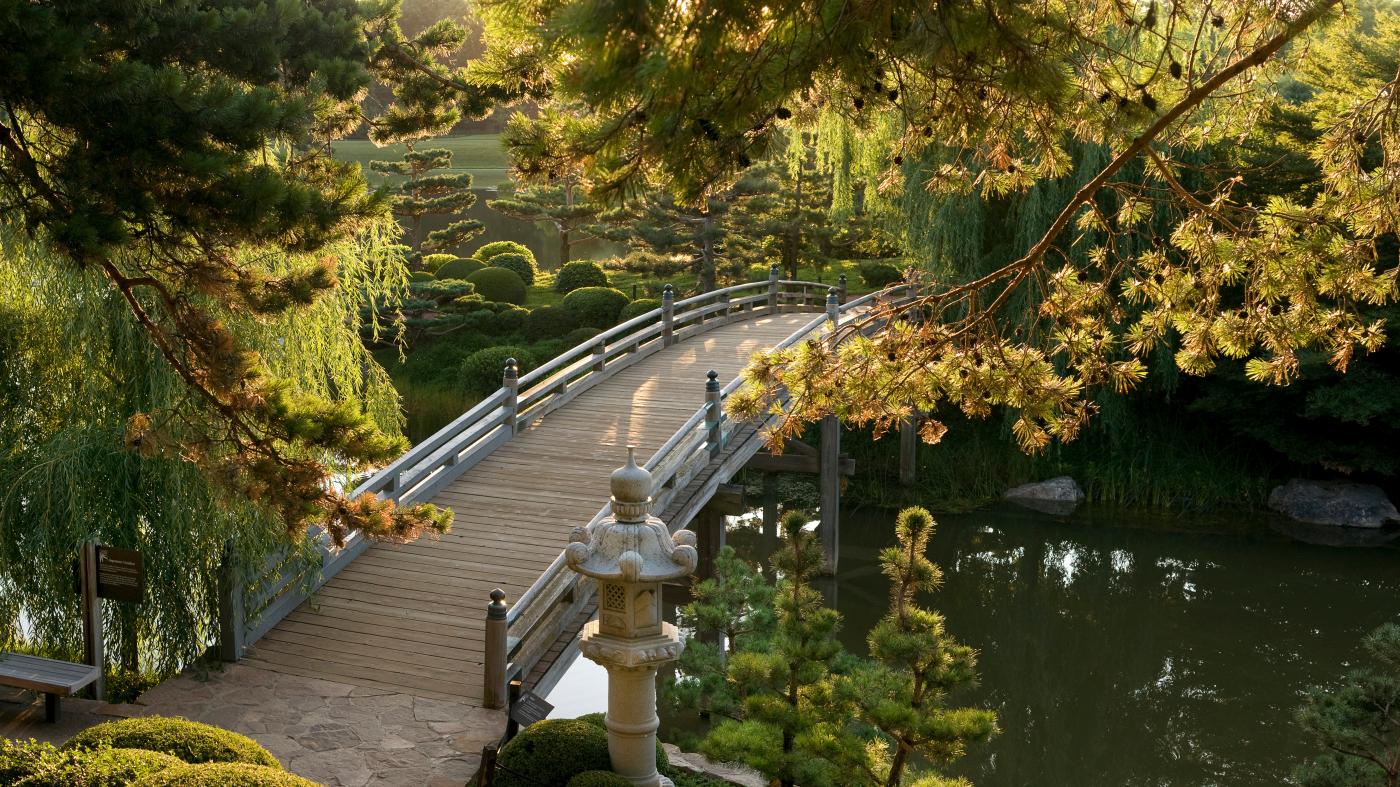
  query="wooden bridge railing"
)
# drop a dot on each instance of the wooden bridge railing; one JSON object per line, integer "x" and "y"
{"x": 254, "y": 599}
{"x": 534, "y": 621}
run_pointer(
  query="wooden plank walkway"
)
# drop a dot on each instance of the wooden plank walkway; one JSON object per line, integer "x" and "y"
{"x": 409, "y": 618}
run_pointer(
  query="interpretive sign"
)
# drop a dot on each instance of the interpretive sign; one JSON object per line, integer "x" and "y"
{"x": 529, "y": 709}
{"x": 120, "y": 574}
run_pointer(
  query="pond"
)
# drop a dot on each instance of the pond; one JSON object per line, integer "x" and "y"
{"x": 1117, "y": 652}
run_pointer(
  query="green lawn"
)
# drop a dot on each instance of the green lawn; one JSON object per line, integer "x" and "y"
{"x": 480, "y": 154}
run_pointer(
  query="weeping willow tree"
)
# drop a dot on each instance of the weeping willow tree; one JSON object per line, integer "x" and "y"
{"x": 74, "y": 366}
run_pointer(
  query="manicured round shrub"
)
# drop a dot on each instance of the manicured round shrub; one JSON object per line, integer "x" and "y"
{"x": 98, "y": 768}
{"x": 460, "y": 268}
{"x": 637, "y": 308}
{"x": 191, "y": 741}
{"x": 544, "y": 351}
{"x": 432, "y": 262}
{"x": 519, "y": 264}
{"x": 599, "y": 720}
{"x": 599, "y": 779}
{"x": 421, "y": 276}
{"x": 553, "y": 751}
{"x": 482, "y": 371}
{"x": 224, "y": 774}
{"x": 596, "y": 307}
{"x": 489, "y": 250}
{"x": 19, "y": 759}
{"x": 880, "y": 274}
{"x": 499, "y": 284}
{"x": 583, "y": 273}
{"x": 509, "y": 319}
{"x": 549, "y": 322}
{"x": 578, "y": 336}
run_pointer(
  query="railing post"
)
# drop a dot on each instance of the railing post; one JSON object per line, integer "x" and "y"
{"x": 599, "y": 350}
{"x": 724, "y": 299}
{"x": 668, "y": 315}
{"x": 511, "y": 382}
{"x": 841, "y": 288}
{"x": 232, "y": 626}
{"x": 493, "y": 693}
{"x": 773, "y": 287}
{"x": 714, "y": 414}
{"x": 833, "y": 306}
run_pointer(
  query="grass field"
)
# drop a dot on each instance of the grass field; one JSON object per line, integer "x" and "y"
{"x": 480, "y": 154}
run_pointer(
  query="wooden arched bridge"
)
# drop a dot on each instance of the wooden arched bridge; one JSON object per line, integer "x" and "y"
{"x": 520, "y": 470}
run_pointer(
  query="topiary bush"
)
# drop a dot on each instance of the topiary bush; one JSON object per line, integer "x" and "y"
{"x": 880, "y": 274}
{"x": 499, "y": 284}
{"x": 599, "y": 779}
{"x": 495, "y": 247}
{"x": 19, "y": 759}
{"x": 97, "y": 768}
{"x": 421, "y": 276}
{"x": 546, "y": 350}
{"x": 224, "y": 774}
{"x": 522, "y": 266}
{"x": 575, "y": 275}
{"x": 460, "y": 268}
{"x": 578, "y": 336}
{"x": 509, "y": 319}
{"x": 432, "y": 262}
{"x": 482, "y": 371}
{"x": 553, "y": 751}
{"x": 549, "y": 322}
{"x": 191, "y": 741}
{"x": 439, "y": 292}
{"x": 596, "y": 307}
{"x": 637, "y": 308}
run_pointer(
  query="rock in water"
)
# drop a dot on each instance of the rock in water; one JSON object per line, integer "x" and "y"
{"x": 1333, "y": 503}
{"x": 1058, "y": 496}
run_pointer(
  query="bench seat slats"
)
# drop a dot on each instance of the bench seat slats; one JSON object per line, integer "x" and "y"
{"x": 46, "y": 675}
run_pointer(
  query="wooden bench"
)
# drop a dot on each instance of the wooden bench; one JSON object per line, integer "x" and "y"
{"x": 54, "y": 678}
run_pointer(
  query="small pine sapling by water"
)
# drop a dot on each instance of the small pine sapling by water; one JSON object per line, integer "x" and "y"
{"x": 1358, "y": 722}
{"x": 730, "y": 612}
{"x": 790, "y": 719}
{"x": 915, "y": 663}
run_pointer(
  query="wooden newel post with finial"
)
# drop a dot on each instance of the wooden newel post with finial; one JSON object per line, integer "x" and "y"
{"x": 714, "y": 414}
{"x": 493, "y": 692}
{"x": 630, "y": 553}
{"x": 833, "y": 306}
{"x": 511, "y": 382}
{"x": 841, "y": 288}
{"x": 668, "y": 316}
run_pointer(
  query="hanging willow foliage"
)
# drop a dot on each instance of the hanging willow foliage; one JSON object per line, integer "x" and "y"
{"x": 74, "y": 366}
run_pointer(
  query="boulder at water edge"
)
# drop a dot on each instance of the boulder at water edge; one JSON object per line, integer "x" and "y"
{"x": 1333, "y": 503}
{"x": 1058, "y": 496}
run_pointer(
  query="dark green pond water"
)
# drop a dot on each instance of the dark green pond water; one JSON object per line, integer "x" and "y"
{"x": 1116, "y": 653}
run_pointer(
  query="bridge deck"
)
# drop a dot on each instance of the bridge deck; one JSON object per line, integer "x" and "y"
{"x": 409, "y": 617}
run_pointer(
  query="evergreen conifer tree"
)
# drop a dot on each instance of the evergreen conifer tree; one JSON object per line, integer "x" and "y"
{"x": 1359, "y": 722}
{"x": 914, "y": 664}
{"x": 421, "y": 190}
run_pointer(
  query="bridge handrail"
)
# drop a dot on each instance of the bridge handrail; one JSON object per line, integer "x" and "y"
{"x": 539, "y": 593}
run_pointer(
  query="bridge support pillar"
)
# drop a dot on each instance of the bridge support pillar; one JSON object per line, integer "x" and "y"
{"x": 770, "y": 506}
{"x": 908, "y": 450}
{"x": 830, "y": 482}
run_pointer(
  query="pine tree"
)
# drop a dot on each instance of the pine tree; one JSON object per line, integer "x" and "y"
{"x": 564, "y": 205}
{"x": 790, "y": 714}
{"x": 790, "y": 212}
{"x": 1358, "y": 722}
{"x": 421, "y": 190}
{"x": 903, "y": 692}
{"x": 554, "y": 191}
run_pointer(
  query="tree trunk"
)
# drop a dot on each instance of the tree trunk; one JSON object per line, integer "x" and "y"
{"x": 563, "y": 247}
{"x": 897, "y": 765}
{"x": 708, "y": 279}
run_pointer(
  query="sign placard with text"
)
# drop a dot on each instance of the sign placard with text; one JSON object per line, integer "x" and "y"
{"x": 120, "y": 574}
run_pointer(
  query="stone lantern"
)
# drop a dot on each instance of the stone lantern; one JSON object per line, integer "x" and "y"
{"x": 630, "y": 554}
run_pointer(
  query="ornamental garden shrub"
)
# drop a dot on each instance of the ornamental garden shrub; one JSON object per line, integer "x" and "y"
{"x": 880, "y": 274}
{"x": 523, "y": 266}
{"x": 637, "y": 308}
{"x": 440, "y": 292}
{"x": 575, "y": 275}
{"x": 420, "y": 276}
{"x": 499, "y": 284}
{"x": 191, "y": 741}
{"x": 599, "y": 779}
{"x": 509, "y": 319}
{"x": 549, "y": 322}
{"x": 482, "y": 371}
{"x": 596, "y": 307}
{"x": 19, "y": 759}
{"x": 432, "y": 262}
{"x": 97, "y": 768}
{"x": 578, "y": 336}
{"x": 460, "y": 268}
{"x": 224, "y": 774}
{"x": 553, "y": 751}
{"x": 489, "y": 250}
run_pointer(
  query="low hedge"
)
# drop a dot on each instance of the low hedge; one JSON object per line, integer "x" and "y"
{"x": 519, "y": 264}
{"x": 880, "y": 274}
{"x": 19, "y": 759}
{"x": 482, "y": 371}
{"x": 499, "y": 284}
{"x": 495, "y": 247}
{"x": 224, "y": 774}
{"x": 576, "y": 275}
{"x": 98, "y": 768}
{"x": 599, "y": 779}
{"x": 596, "y": 307}
{"x": 549, "y": 322}
{"x": 191, "y": 741}
{"x": 553, "y": 751}
{"x": 460, "y": 268}
{"x": 637, "y": 308}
